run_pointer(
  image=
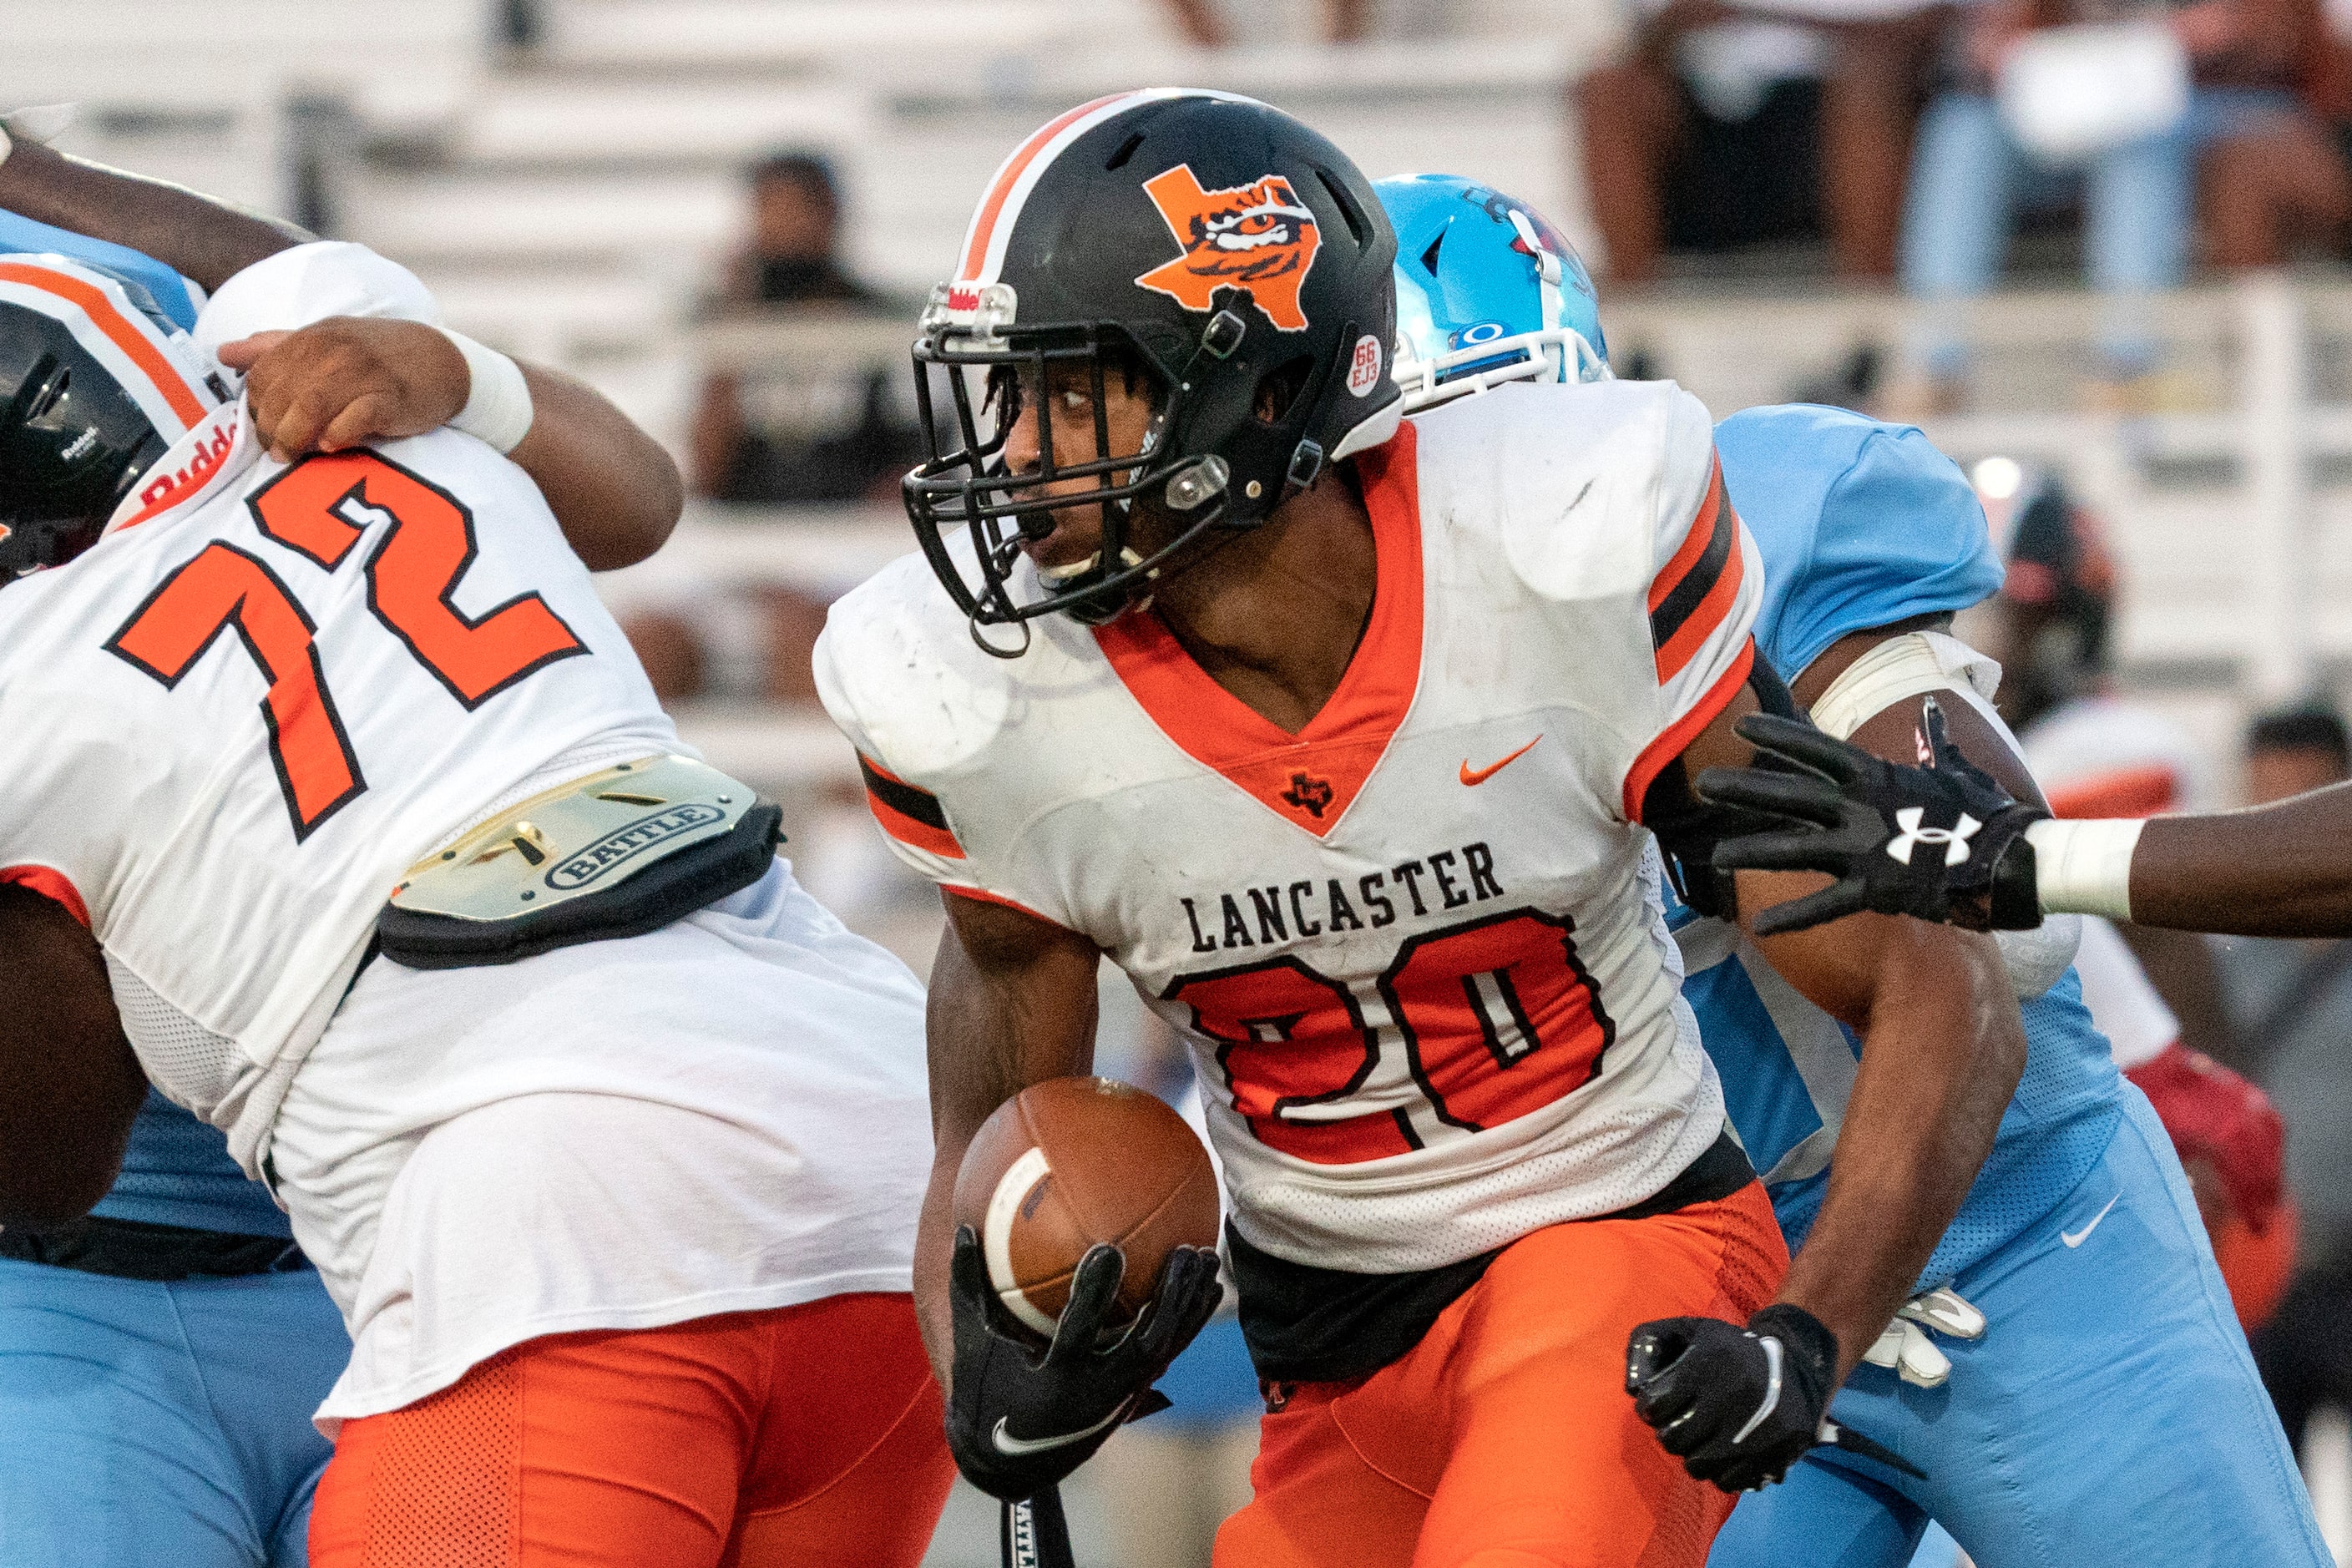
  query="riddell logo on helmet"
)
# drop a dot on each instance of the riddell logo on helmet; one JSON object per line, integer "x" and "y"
{"x": 963, "y": 297}
{"x": 1258, "y": 236}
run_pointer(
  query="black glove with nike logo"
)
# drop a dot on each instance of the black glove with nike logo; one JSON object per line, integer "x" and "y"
{"x": 1736, "y": 1405}
{"x": 1019, "y": 1420}
{"x": 1944, "y": 843}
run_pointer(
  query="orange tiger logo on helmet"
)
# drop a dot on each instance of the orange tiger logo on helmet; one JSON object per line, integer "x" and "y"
{"x": 1259, "y": 237}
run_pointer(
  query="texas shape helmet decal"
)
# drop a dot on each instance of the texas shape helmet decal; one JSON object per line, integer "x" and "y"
{"x": 1258, "y": 236}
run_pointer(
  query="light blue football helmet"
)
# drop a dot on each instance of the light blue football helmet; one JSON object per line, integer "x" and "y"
{"x": 1487, "y": 291}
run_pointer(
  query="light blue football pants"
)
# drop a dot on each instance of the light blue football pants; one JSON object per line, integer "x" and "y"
{"x": 149, "y": 1426}
{"x": 2110, "y": 1414}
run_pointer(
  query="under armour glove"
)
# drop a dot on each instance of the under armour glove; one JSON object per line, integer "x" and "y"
{"x": 1944, "y": 842}
{"x": 1738, "y": 1406}
{"x": 1020, "y": 1420}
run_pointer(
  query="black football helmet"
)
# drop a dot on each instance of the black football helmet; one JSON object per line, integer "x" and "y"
{"x": 1236, "y": 258}
{"x": 78, "y": 432}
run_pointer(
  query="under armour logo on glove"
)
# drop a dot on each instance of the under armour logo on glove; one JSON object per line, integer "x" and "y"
{"x": 1839, "y": 808}
{"x": 1955, "y": 838}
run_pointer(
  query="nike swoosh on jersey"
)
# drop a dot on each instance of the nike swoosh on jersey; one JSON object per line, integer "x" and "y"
{"x": 1482, "y": 774}
{"x": 1006, "y": 1443}
{"x": 2076, "y": 1238}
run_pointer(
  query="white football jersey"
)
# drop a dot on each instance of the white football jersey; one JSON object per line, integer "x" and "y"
{"x": 1416, "y": 948}
{"x": 266, "y": 692}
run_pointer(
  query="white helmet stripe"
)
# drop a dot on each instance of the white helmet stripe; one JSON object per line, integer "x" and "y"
{"x": 137, "y": 353}
{"x": 992, "y": 227}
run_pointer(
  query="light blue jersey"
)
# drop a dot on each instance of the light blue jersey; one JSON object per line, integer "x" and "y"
{"x": 177, "y": 1170}
{"x": 2110, "y": 1412}
{"x": 149, "y": 1423}
{"x": 1863, "y": 525}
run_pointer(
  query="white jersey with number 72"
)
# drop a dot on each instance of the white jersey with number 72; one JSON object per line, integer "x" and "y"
{"x": 236, "y": 719}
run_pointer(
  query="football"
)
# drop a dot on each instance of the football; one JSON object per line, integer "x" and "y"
{"x": 1073, "y": 1161}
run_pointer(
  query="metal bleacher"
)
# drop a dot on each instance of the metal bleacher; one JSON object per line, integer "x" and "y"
{"x": 566, "y": 175}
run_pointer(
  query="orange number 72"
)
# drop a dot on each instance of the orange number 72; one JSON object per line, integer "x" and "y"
{"x": 412, "y": 577}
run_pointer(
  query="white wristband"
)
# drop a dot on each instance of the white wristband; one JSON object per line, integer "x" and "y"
{"x": 497, "y": 406}
{"x": 2084, "y": 868}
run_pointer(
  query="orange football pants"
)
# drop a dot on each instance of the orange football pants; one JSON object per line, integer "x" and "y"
{"x": 808, "y": 1436}
{"x": 1506, "y": 1439}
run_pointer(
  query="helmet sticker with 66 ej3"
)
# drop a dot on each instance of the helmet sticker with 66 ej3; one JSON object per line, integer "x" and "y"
{"x": 1203, "y": 250}
{"x": 95, "y": 385}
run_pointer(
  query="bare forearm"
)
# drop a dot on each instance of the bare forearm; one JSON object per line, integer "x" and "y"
{"x": 196, "y": 237}
{"x": 1012, "y": 1004}
{"x": 934, "y": 1248}
{"x": 1942, "y": 1053}
{"x": 615, "y": 490}
{"x": 2277, "y": 870}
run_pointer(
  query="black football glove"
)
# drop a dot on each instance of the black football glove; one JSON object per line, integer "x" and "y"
{"x": 1019, "y": 1420}
{"x": 1944, "y": 843}
{"x": 1694, "y": 1378}
{"x": 1736, "y": 1405}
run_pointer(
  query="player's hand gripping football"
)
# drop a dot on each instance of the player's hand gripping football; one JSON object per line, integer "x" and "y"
{"x": 1944, "y": 842}
{"x": 1019, "y": 1420}
{"x": 347, "y": 381}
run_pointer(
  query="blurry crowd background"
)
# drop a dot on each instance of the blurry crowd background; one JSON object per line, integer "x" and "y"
{"x": 2095, "y": 247}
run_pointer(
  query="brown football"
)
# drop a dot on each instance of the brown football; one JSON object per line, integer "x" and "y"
{"x": 1072, "y": 1162}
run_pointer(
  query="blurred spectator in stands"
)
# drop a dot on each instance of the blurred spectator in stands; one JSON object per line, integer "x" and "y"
{"x": 667, "y": 645}
{"x": 1202, "y": 22}
{"x": 780, "y": 437}
{"x": 2049, "y": 93}
{"x": 2285, "y": 183}
{"x": 2095, "y": 752}
{"x": 2296, "y": 750}
{"x": 2293, "y": 1002}
{"x": 797, "y": 437}
{"x": 1736, "y": 124}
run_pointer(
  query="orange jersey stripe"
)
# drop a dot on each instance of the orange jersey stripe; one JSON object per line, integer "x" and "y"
{"x": 119, "y": 332}
{"x": 1694, "y": 542}
{"x": 908, "y": 814}
{"x": 1684, "y": 730}
{"x": 1684, "y": 646}
{"x": 984, "y": 228}
{"x": 50, "y": 884}
{"x": 907, "y": 830}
